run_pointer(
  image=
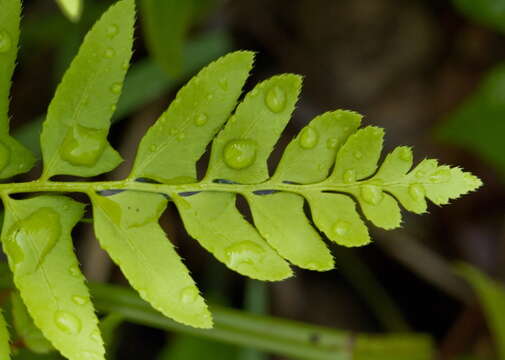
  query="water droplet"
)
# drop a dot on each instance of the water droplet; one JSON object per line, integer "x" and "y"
{"x": 358, "y": 154}
{"x": 5, "y": 41}
{"x": 372, "y": 194}
{"x": 308, "y": 138}
{"x": 405, "y": 154}
{"x": 83, "y": 146}
{"x": 420, "y": 174}
{"x": 180, "y": 136}
{"x": 276, "y": 99}
{"x": 201, "y": 120}
{"x": 112, "y": 31}
{"x": 341, "y": 228}
{"x": 440, "y": 176}
{"x": 332, "y": 143}
{"x": 34, "y": 236}
{"x": 95, "y": 336}
{"x": 79, "y": 300}
{"x": 113, "y": 108}
{"x": 349, "y": 176}
{"x": 67, "y": 322}
{"x": 143, "y": 293}
{"x": 153, "y": 148}
{"x": 223, "y": 84}
{"x": 240, "y": 154}
{"x": 126, "y": 65}
{"x": 189, "y": 295}
{"x": 116, "y": 88}
{"x": 210, "y": 97}
{"x": 417, "y": 192}
{"x": 243, "y": 253}
{"x": 109, "y": 53}
{"x": 173, "y": 131}
{"x": 5, "y": 155}
{"x": 254, "y": 92}
{"x": 74, "y": 271}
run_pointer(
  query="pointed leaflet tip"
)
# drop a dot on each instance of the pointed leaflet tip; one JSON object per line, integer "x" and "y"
{"x": 71, "y": 8}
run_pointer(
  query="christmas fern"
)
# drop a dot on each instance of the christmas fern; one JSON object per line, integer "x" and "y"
{"x": 332, "y": 164}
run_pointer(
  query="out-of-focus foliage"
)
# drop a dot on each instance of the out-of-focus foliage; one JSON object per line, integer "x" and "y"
{"x": 491, "y": 295}
{"x": 71, "y": 8}
{"x": 486, "y": 12}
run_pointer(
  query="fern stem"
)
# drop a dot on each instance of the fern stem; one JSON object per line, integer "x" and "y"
{"x": 274, "y": 335}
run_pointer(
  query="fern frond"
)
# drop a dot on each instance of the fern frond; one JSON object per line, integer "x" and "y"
{"x": 331, "y": 165}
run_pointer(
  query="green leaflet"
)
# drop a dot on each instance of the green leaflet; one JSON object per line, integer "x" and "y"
{"x": 165, "y": 26}
{"x": 5, "y": 349}
{"x": 492, "y": 296}
{"x": 36, "y": 239}
{"x": 74, "y": 135}
{"x": 71, "y": 8}
{"x": 14, "y": 158}
{"x": 170, "y": 149}
{"x": 127, "y": 227}
{"x": 25, "y": 328}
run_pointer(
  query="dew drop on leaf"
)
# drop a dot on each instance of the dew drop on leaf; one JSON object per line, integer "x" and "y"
{"x": 358, "y": 154}
{"x": 74, "y": 271}
{"x": 332, "y": 143}
{"x": 109, "y": 53}
{"x": 180, "y": 136}
{"x": 83, "y": 146}
{"x": 440, "y": 176}
{"x": 223, "y": 84}
{"x": 116, "y": 88}
{"x": 5, "y": 42}
{"x": 372, "y": 194}
{"x": 275, "y": 99}
{"x": 67, "y": 322}
{"x": 416, "y": 192}
{"x": 349, "y": 176}
{"x": 341, "y": 228}
{"x": 189, "y": 295}
{"x": 201, "y": 120}
{"x": 126, "y": 65}
{"x": 308, "y": 138}
{"x": 112, "y": 31}
{"x": 95, "y": 336}
{"x": 243, "y": 253}
{"x": 153, "y": 148}
{"x": 4, "y": 156}
{"x": 79, "y": 300}
{"x": 240, "y": 154}
{"x": 420, "y": 174}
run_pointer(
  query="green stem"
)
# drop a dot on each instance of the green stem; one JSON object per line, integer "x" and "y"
{"x": 277, "y": 336}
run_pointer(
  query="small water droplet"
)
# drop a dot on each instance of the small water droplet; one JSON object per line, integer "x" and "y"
{"x": 210, "y": 97}
{"x": 417, "y": 192}
{"x": 440, "y": 176}
{"x": 109, "y": 53}
{"x": 308, "y": 138}
{"x": 201, "y": 119}
{"x": 372, "y": 194}
{"x": 405, "y": 154}
{"x": 189, "y": 295}
{"x": 74, "y": 271}
{"x": 223, "y": 84}
{"x": 79, "y": 300}
{"x": 349, "y": 176}
{"x": 5, "y": 155}
{"x": 67, "y": 322}
{"x": 243, "y": 253}
{"x": 113, "y": 108}
{"x": 240, "y": 154}
{"x": 153, "y": 148}
{"x": 232, "y": 119}
{"x": 341, "y": 228}
{"x": 5, "y": 41}
{"x": 116, "y": 88}
{"x": 112, "y": 30}
{"x": 420, "y": 174}
{"x": 143, "y": 293}
{"x": 275, "y": 99}
{"x": 180, "y": 136}
{"x": 83, "y": 146}
{"x": 358, "y": 154}
{"x": 95, "y": 336}
{"x": 332, "y": 143}
{"x": 126, "y": 65}
{"x": 173, "y": 131}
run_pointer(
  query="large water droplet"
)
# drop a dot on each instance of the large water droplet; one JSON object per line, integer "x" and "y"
{"x": 372, "y": 194}
{"x": 83, "y": 146}
{"x": 67, "y": 322}
{"x": 116, "y": 88}
{"x": 275, "y": 99}
{"x": 349, "y": 176}
{"x": 417, "y": 192}
{"x": 5, "y": 41}
{"x": 243, "y": 253}
{"x": 332, "y": 143}
{"x": 308, "y": 138}
{"x": 440, "y": 176}
{"x": 189, "y": 295}
{"x": 112, "y": 30}
{"x": 109, "y": 53}
{"x": 240, "y": 154}
{"x": 35, "y": 235}
{"x": 79, "y": 300}
{"x": 341, "y": 228}
{"x": 201, "y": 120}
{"x": 5, "y": 155}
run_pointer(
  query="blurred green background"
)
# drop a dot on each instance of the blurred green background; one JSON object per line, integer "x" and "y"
{"x": 431, "y": 72}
